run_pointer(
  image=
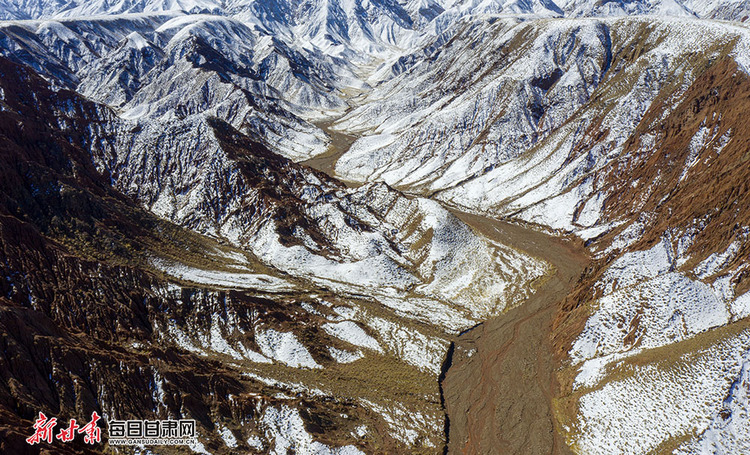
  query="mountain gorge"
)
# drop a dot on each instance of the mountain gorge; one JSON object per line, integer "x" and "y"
{"x": 378, "y": 227}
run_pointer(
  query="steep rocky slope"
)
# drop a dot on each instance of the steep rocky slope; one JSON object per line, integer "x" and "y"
{"x": 664, "y": 304}
{"x": 225, "y": 68}
{"x": 618, "y": 131}
{"x": 521, "y": 125}
{"x": 286, "y": 282}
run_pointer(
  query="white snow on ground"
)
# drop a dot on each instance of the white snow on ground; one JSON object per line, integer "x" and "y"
{"x": 361, "y": 431}
{"x": 483, "y": 276}
{"x": 729, "y": 430}
{"x": 255, "y": 442}
{"x": 661, "y": 311}
{"x": 211, "y": 342}
{"x": 216, "y": 341}
{"x": 413, "y": 347}
{"x": 233, "y": 256}
{"x": 376, "y": 271}
{"x": 430, "y": 311}
{"x": 158, "y": 393}
{"x": 629, "y": 235}
{"x": 406, "y": 425}
{"x": 228, "y": 437}
{"x": 353, "y": 334}
{"x": 740, "y": 307}
{"x": 285, "y": 348}
{"x": 593, "y": 370}
{"x": 422, "y": 261}
{"x": 717, "y": 261}
{"x": 645, "y": 304}
{"x": 233, "y": 280}
{"x": 342, "y": 356}
{"x": 181, "y": 339}
{"x": 637, "y": 266}
{"x": 291, "y": 387}
{"x": 345, "y": 312}
{"x": 198, "y": 447}
{"x": 285, "y": 427}
{"x": 658, "y": 402}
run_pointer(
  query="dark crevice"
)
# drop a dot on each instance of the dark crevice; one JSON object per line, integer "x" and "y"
{"x": 447, "y": 363}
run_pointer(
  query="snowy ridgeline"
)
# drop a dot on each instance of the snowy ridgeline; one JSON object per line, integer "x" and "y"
{"x": 410, "y": 254}
{"x": 369, "y": 25}
{"x": 162, "y": 68}
{"x": 413, "y": 271}
{"x": 501, "y": 121}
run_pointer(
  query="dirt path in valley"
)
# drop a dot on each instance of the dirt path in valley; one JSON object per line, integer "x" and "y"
{"x": 500, "y": 384}
{"x": 326, "y": 162}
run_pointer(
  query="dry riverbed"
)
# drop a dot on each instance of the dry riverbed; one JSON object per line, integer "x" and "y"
{"x": 498, "y": 382}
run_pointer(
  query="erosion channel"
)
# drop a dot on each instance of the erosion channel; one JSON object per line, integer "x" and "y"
{"x": 499, "y": 380}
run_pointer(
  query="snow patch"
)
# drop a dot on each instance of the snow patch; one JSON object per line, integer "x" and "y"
{"x": 285, "y": 348}
{"x": 353, "y": 334}
{"x": 285, "y": 427}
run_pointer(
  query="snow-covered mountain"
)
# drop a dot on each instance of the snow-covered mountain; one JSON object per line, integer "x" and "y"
{"x": 317, "y": 201}
{"x": 257, "y": 83}
{"x": 360, "y": 30}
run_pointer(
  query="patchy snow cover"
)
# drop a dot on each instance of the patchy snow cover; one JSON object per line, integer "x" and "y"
{"x": 232, "y": 280}
{"x": 668, "y": 309}
{"x": 342, "y": 356}
{"x": 285, "y": 348}
{"x": 645, "y": 305}
{"x": 285, "y": 427}
{"x": 729, "y": 430}
{"x": 716, "y": 261}
{"x": 353, "y": 334}
{"x": 658, "y": 402}
{"x": 228, "y": 437}
{"x": 503, "y": 127}
{"x": 255, "y": 442}
{"x": 638, "y": 266}
{"x": 415, "y": 348}
{"x": 198, "y": 447}
{"x": 406, "y": 425}
{"x": 214, "y": 342}
{"x": 740, "y": 307}
{"x": 422, "y": 261}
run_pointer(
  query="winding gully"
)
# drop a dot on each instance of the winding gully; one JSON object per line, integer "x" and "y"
{"x": 498, "y": 381}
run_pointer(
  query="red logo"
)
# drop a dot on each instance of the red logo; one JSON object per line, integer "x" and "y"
{"x": 93, "y": 432}
{"x": 68, "y": 434}
{"x": 43, "y": 429}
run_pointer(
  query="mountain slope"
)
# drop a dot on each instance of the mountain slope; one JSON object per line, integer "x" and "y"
{"x": 237, "y": 74}
{"x": 296, "y": 283}
{"x": 153, "y": 163}
{"x": 667, "y": 294}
